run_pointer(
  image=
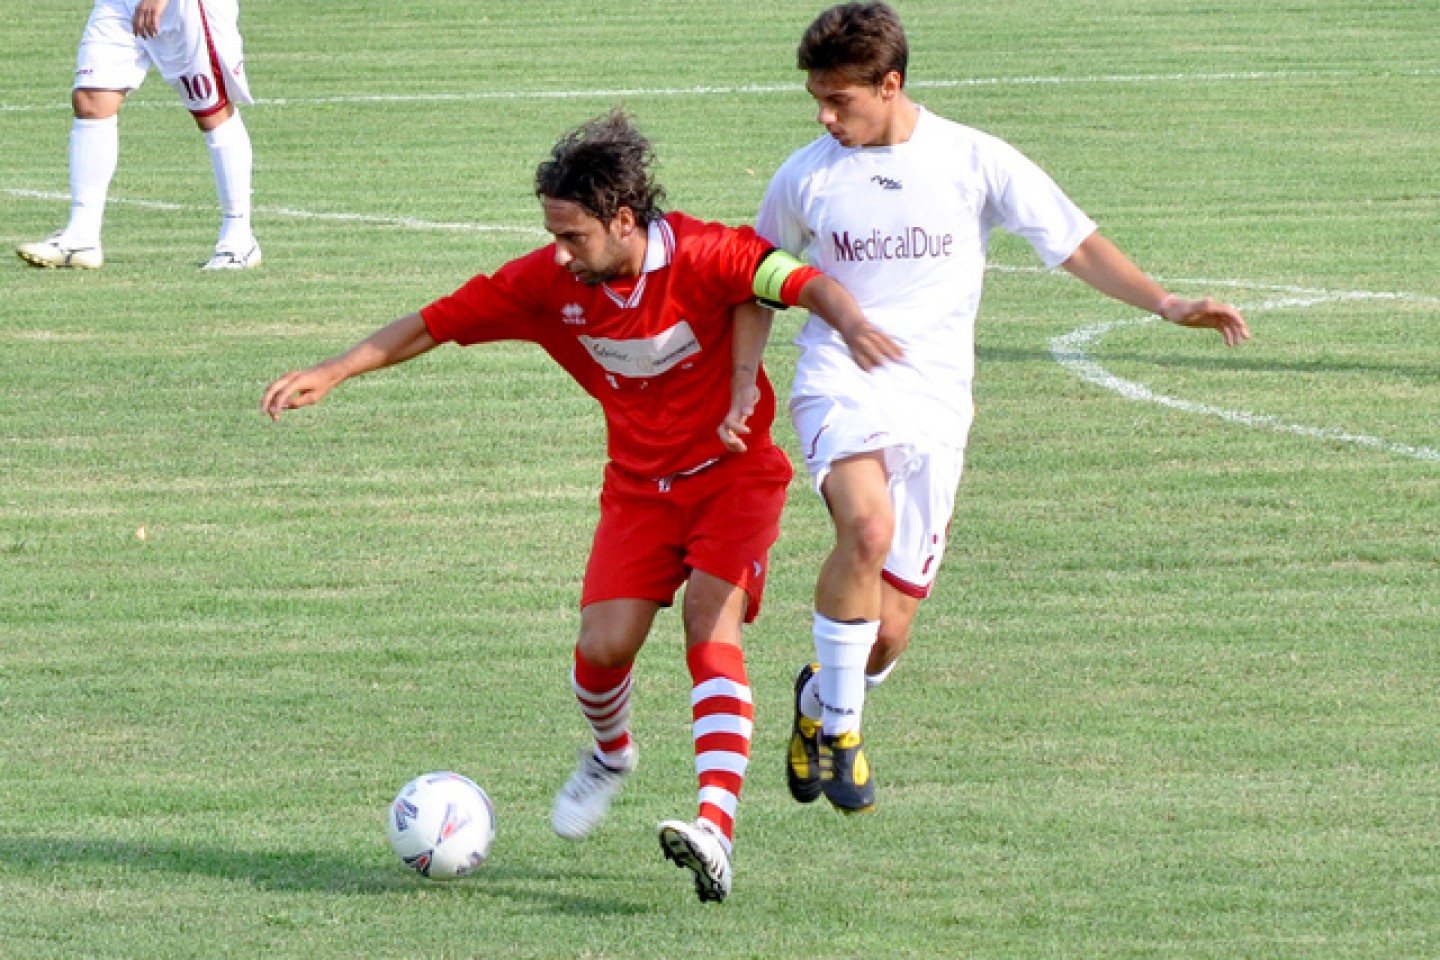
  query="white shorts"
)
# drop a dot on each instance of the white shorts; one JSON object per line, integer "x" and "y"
{"x": 197, "y": 51}
{"x": 924, "y": 478}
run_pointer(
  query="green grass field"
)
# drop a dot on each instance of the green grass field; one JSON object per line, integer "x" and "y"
{"x": 1176, "y": 695}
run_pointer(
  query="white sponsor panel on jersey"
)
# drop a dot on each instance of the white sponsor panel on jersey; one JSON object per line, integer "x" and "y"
{"x": 646, "y": 356}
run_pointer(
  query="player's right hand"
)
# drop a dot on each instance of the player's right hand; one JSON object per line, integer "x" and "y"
{"x": 735, "y": 427}
{"x": 146, "y": 21}
{"x": 298, "y": 388}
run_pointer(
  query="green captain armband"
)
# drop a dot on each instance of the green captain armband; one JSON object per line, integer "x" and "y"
{"x": 771, "y": 275}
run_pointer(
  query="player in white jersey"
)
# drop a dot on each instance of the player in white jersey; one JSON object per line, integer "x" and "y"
{"x": 898, "y": 204}
{"x": 196, "y": 47}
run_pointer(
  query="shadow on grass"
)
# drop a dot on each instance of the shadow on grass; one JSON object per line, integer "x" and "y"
{"x": 527, "y": 889}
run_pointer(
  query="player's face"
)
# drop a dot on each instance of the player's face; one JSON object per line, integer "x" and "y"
{"x": 856, "y": 114}
{"x": 593, "y": 250}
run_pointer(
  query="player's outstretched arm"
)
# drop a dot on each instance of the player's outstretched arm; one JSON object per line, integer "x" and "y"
{"x": 1101, "y": 264}
{"x": 402, "y": 340}
{"x": 750, "y": 329}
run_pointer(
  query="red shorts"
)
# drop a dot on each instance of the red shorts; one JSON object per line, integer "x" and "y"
{"x": 721, "y": 521}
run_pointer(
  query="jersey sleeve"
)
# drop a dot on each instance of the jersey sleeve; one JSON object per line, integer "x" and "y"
{"x": 1025, "y": 201}
{"x": 779, "y": 219}
{"x": 501, "y": 306}
{"x": 724, "y": 259}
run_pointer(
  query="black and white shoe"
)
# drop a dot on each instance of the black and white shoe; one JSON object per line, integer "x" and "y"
{"x": 54, "y": 253}
{"x": 698, "y": 848}
{"x": 243, "y": 259}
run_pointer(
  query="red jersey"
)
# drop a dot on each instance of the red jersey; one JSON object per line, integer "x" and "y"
{"x": 655, "y": 350}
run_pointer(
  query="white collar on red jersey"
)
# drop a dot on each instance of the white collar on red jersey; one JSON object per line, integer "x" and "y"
{"x": 659, "y": 245}
{"x": 659, "y": 251}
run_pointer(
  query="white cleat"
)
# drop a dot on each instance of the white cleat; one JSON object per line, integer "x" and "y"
{"x": 586, "y": 797}
{"x": 235, "y": 259}
{"x": 52, "y": 254}
{"x": 698, "y": 848}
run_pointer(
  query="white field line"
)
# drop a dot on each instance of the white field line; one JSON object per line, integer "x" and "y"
{"x": 405, "y": 223}
{"x": 766, "y": 89}
{"x": 1068, "y": 350}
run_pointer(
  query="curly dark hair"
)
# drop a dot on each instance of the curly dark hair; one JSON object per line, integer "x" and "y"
{"x": 860, "y": 41}
{"x": 603, "y": 165}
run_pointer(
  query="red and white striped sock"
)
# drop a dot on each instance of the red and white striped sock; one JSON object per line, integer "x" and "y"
{"x": 724, "y": 718}
{"x": 604, "y": 695}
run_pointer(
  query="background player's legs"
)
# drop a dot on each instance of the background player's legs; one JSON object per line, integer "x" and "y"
{"x": 232, "y": 159}
{"x": 110, "y": 62}
{"x": 94, "y": 156}
{"x": 203, "y": 62}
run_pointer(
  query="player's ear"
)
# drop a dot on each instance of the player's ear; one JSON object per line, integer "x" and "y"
{"x": 891, "y": 85}
{"x": 625, "y": 222}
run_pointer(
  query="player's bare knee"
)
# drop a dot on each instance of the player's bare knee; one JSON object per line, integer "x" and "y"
{"x": 605, "y": 651}
{"x": 866, "y": 539}
{"x": 96, "y": 104}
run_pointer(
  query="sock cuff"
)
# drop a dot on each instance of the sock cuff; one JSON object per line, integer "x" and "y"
{"x": 843, "y": 646}
{"x": 231, "y": 131}
{"x": 598, "y": 680}
{"x": 846, "y": 634}
{"x": 711, "y": 659}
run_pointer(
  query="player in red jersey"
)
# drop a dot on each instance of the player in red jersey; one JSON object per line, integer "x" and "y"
{"x": 636, "y": 305}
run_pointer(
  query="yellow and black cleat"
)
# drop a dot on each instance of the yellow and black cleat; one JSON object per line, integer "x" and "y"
{"x": 845, "y": 773}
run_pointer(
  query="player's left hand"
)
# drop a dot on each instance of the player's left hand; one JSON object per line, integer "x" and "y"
{"x": 1209, "y": 314}
{"x": 734, "y": 426}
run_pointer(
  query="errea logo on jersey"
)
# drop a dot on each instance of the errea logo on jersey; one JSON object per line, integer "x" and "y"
{"x": 886, "y": 183}
{"x": 573, "y": 313}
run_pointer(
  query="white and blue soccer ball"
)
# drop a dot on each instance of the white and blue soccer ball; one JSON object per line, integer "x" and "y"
{"x": 441, "y": 825}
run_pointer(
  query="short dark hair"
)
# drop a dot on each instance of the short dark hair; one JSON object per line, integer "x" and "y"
{"x": 861, "y": 41}
{"x": 603, "y": 165}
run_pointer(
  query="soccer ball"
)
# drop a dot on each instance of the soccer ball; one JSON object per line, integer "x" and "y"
{"x": 441, "y": 825}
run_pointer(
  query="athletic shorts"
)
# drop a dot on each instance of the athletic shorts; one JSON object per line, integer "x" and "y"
{"x": 721, "y": 520}
{"x": 924, "y": 478}
{"x": 197, "y": 51}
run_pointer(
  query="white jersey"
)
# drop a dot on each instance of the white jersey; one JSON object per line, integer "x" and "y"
{"x": 905, "y": 228}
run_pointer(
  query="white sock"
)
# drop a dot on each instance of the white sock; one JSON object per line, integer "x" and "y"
{"x": 94, "y": 155}
{"x": 842, "y": 649}
{"x": 233, "y": 159}
{"x": 810, "y": 693}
